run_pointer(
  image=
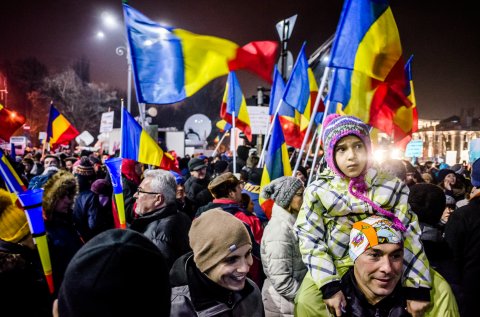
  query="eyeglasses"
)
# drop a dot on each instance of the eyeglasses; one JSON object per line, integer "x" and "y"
{"x": 299, "y": 194}
{"x": 139, "y": 190}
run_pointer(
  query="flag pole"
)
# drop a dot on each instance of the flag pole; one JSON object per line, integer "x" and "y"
{"x": 233, "y": 136}
{"x": 315, "y": 133}
{"x": 122, "y": 106}
{"x": 312, "y": 119}
{"x": 267, "y": 137}
{"x": 219, "y": 143}
{"x": 319, "y": 141}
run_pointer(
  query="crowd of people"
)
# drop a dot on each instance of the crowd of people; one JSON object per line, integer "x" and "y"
{"x": 363, "y": 239}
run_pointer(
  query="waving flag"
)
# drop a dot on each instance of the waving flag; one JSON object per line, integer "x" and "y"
{"x": 405, "y": 119}
{"x": 171, "y": 64}
{"x": 114, "y": 167}
{"x": 276, "y": 92}
{"x": 137, "y": 144}
{"x": 59, "y": 129}
{"x": 297, "y": 90}
{"x": 10, "y": 121}
{"x": 295, "y": 124}
{"x": 223, "y": 125}
{"x": 277, "y": 164}
{"x": 234, "y": 104}
{"x": 12, "y": 180}
{"x": 368, "y": 79}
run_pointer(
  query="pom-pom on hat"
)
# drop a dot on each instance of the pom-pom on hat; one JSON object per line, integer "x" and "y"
{"x": 13, "y": 222}
{"x": 214, "y": 235}
{"x": 475, "y": 174}
{"x": 85, "y": 167}
{"x": 370, "y": 232}
{"x": 282, "y": 190}
{"x": 337, "y": 127}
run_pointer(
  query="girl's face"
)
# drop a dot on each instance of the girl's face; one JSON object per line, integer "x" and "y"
{"x": 350, "y": 155}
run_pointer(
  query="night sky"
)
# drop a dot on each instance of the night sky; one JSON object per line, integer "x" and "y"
{"x": 443, "y": 36}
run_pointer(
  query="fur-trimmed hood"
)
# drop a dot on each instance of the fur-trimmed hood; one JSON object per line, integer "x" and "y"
{"x": 62, "y": 184}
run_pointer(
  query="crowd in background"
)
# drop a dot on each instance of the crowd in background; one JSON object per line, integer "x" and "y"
{"x": 164, "y": 233}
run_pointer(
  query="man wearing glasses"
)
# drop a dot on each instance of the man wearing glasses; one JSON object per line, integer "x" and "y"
{"x": 157, "y": 215}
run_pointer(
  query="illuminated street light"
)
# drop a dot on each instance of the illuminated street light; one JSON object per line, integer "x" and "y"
{"x": 111, "y": 22}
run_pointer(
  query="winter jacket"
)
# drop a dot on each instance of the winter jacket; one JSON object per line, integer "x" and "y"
{"x": 309, "y": 301}
{"x": 462, "y": 233}
{"x": 282, "y": 263}
{"x": 194, "y": 294}
{"x": 326, "y": 217}
{"x": 85, "y": 211}
{"x": 23, "y": 289}
{"x": 197, "y": 192}
{"x": 168, "y": 229}
{"x": 254, "y": 228}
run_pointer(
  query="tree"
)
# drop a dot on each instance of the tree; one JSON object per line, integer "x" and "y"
{"x": 81, "y": 103}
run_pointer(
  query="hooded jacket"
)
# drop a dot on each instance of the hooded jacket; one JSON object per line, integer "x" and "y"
{"x": 194, "y": 294}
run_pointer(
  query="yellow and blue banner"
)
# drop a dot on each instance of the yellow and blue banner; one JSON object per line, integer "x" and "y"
{"x": 234, "y": 106}
{"x": 59, "y": 129}
{"x": 137, "y": 144}
{"x": 277, "y": 164}
{"x": 171, "y": 64}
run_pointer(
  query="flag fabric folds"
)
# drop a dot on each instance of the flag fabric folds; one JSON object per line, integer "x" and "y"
{"x": 59, "y": 129}
{"x": 12, "y": 180}
{"x": 137, "y": 144}
{"x": 234, "y": 106}
{"x": 223, "y": 125}
{"x": 294, "y": 123}
{"x": 10, "y": 121}
{"x": 368, "y": 79}
{"x": 171, "y": 64}
{"x": 297, "y": 90}
{"x": 277, "y": 164}
{"x": 276, "y": 92}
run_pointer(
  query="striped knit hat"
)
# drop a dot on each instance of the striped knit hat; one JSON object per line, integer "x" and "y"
{"x": 13, "y": 222}
{"x": 337, "y": 127}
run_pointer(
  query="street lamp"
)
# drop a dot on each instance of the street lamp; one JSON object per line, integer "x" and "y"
{"x": 111, "y": 22}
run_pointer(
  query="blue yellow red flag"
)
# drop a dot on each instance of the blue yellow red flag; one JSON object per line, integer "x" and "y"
{"x": 137, "y": 144}
{"x": 368, "y": 79}
{"x": 59, "y": 129}
{"x": 297, "y": 90}
{"x": 276, "y": 92}
{"x": 12, "y": 180}
{"x": 277, "y": 163}
{"x": 171, "y": 64}
{"x": 233, "y": 103}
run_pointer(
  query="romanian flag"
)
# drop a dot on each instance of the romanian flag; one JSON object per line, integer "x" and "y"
{"x": 171, "y": 64}
{"x": 276, "y": 92}
{"x": 294, "y": 123}
{"x": 296, "y": 92}
{"x": 368, "y": 80}
{"x": 277, "y": 164}
{"x": 12, "y": 180}
{"x": 59, "y": 129}
{"x": 10, "y": 121}
{"x": 405, "y": 119}
{"x": 234, "y": 105}
{"x": 223, "y": 125}
{"x": 137, "y": 144}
